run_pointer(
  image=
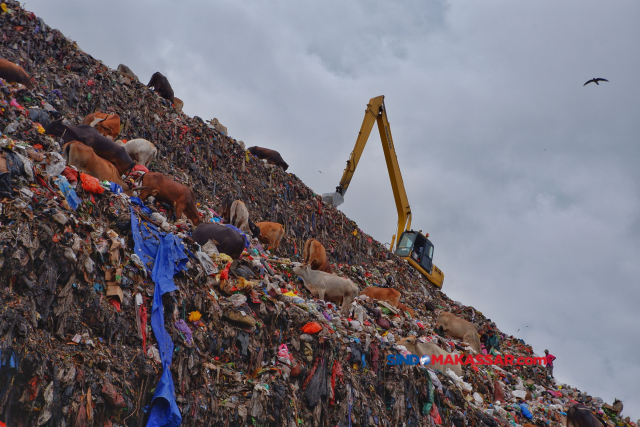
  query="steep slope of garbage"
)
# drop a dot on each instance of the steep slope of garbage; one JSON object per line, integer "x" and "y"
{"x": 111, "y": 315}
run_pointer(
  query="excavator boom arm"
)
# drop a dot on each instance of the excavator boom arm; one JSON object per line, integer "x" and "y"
{"x": 376, "y": 112}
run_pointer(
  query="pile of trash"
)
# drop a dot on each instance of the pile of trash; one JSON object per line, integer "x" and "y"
{"x": 112, "y": 315}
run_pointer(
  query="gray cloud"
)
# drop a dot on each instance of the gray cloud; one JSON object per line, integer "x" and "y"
{"x": 526, "y": 180}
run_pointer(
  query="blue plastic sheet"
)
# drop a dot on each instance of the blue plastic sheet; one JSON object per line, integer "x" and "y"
{"x": 525, "y": 411}
{"x": 69, "y": 193}
{"x": 115, "y": 188}
{"x": 246, "y": 239}
{"x": 165, "y": 252}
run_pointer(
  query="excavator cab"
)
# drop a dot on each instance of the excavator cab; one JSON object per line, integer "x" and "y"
{"x": 418, "y": 248}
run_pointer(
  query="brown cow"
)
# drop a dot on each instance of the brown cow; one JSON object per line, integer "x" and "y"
{"x": 272, "y": 156}
{"x": 315, "y": 255}
{"x": 459, "y": 329}
{"x": 405, "y": 308}
{"x": 161, "y": 85}
{"x": 177, "y": 103}
{"x": 389, "y": 295}
{"x": 107, "y": 124}
{"x": 13, "y": 73}
{"x": 580, "y": 416}
{"x": 102, "y": 145}
{"x": 86, "y": 160}
{"x": 270, "y": 233}
{"x": 179, "y": 197}
{"x": 126, "y": 71}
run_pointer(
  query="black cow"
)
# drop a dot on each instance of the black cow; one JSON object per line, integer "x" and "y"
{"x": 272, "y": 156}
{"x": 227, "y": 240}
{"x": 160, "y": 84}
{"x": 580, "y": 416}
{"x": 103, "y": 146}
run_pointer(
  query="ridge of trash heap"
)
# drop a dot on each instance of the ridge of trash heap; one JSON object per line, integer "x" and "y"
{"x": 88, "y": 338}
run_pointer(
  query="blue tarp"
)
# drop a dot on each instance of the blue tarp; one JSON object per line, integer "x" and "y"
{"x": 165, "y": 252}
{"x": 115, "y": 188}
{"x": 246, "y": 239}
{"x": 69, "y": 193}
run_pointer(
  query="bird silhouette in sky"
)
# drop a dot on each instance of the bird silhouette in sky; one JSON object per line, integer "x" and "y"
{"x": 594, "y": 80}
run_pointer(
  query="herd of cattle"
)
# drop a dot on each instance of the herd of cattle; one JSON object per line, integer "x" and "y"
{"x": 93, "y": 148}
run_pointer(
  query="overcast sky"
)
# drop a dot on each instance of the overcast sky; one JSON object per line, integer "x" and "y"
{"x": 527, "y": 182}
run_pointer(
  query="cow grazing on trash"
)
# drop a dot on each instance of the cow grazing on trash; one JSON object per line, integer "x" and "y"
{"x": 271, "y": 156}
{"x": 329, "y": 286}
{"x": 161, "y": 85}
{"x": 14, "y": 73}
{"x": 271, "y": 233}
{"x": 179, "y": 197}
{"x": 389, "y": 295}
{"x": 107, "y": 124}
{"x": 86, "y": 160}
{"x": 102, "y": 145}
{"x": 430, "y": 349}
{"x": 141, "y": 151}
{"x": 405, "y": 308}
{"x": 126, "y": 71}
{"x": 239, "y": 216}
{"x": 580, "y": 416}
{"x": 227, "y": 240}
{"x": 315, "y": 255}
{"x": 459, "y": 329}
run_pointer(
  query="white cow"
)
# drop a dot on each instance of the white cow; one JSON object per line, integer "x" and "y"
{"x": 334, "y": 288}
{"x": 430, "y": 349}
{"x": 140, "y": 150}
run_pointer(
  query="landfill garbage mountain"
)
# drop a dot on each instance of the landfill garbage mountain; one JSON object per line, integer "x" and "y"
{"x": 112, "y": 315}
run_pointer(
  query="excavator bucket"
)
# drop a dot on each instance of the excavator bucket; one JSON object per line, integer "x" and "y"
{"x": 334, "y": 199}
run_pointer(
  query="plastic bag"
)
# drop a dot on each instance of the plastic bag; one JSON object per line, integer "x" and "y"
{"x": 69, "y": 193}
{"x": 317, "y": 388}
{"x": 311, "y": 328}
{"x": 238, "y": 299}
{"x": 91, "y": 184}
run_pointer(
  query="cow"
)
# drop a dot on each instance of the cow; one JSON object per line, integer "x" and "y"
{"x": 239, "y": 216}
{"x": 161, "y": 85}
{"x": 580, "y": 416}
{"x": 389, "y": 295}
{"x": 126, "y": 71}
{"x": 334, "y": 288}
{"x": 14, "y": 73}
{"x": 430, "y": 349}
{"x": 405, "y": 308}
{"x": 272, "y": 157}
{"x": 107, "y": 124}
{"x": 86, "y": 160}
{"x": 141, "y": 151}
{"x": 103, "y": 146}
{"x": 459, "y": 329}
{"x": 177, "y": 103}
{"x": 271, "y": 233}
{"x": 179, "y": 197}
{"x": 225, "y": 210}
{"x": 236, "y": 214}
{"x": 227, "y": 240}
{"x": 315, "y": 255}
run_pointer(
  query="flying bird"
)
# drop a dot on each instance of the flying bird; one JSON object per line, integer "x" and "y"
{"x": 594, "y": 80}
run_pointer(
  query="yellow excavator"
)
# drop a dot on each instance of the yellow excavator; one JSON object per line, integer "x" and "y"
{"x": 412, "y": 245}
